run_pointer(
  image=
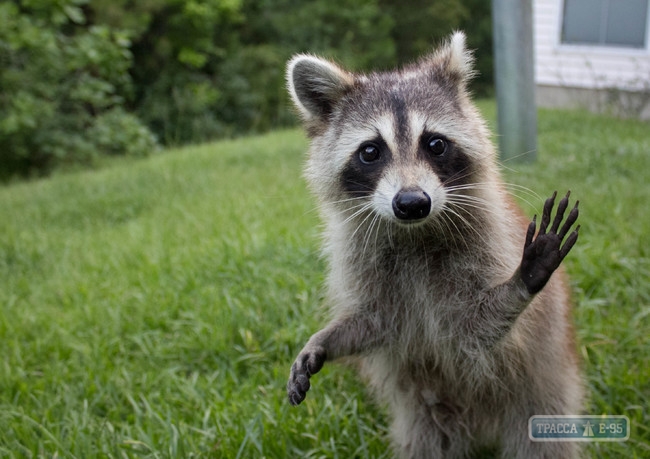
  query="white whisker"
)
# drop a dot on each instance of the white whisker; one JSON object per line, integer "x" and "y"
{"x": 370, "y": 214}
{"x": 360, "y": 209}
{"x": 368, "y": 234}
{"x": 467, "y": 223}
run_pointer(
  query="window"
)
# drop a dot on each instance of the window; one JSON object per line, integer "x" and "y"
{"x": 605, "y": 22}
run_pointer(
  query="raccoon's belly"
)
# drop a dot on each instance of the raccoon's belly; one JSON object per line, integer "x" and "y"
{"x": 448, "y": 391}
{"x": 473, "y": 411}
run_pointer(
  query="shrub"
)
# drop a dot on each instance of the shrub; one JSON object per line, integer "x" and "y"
{"x": 62, "y": 86}
{"x": 117, "y": 132}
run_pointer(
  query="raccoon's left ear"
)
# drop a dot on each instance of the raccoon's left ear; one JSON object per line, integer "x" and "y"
{"x": 316, "y": 86}
{"x": 454, "y": 60}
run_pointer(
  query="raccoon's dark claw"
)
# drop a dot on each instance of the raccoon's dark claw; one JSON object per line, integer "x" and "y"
{"x": 308, "y": 363}
{"x": 297, "y": 389}
{"x": 543, "y": 254}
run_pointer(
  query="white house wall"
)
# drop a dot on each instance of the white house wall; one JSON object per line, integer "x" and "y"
{"x": 584, "y": 67}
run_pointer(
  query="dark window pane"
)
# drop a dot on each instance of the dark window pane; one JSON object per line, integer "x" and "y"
{"x": 582, "y": 21}
{"x": 626, "y": 22}
{"x": 605, "y": 22}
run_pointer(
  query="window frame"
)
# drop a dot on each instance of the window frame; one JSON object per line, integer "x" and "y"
{"x": 600, "y": 47}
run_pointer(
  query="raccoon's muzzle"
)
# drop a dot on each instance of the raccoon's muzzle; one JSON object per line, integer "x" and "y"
{"x": 411, "y": 204}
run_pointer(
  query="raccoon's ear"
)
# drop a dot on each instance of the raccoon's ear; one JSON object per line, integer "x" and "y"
{"x": 454, "y": 60}
{"x": 316, "y": 86}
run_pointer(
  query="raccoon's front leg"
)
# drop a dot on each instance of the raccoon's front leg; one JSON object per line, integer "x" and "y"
{"x": 501, "y": 305}
{"x": 342, "y": 337}
{"x": 543, "y": 255}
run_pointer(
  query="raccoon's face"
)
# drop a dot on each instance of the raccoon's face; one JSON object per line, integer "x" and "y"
{"x": 401, "y": 145}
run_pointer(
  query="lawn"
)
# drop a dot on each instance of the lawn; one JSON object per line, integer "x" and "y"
{"x": 152, "y": 308}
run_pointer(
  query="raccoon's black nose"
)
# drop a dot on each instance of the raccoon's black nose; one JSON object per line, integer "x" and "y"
{"x": 411, "y": 204}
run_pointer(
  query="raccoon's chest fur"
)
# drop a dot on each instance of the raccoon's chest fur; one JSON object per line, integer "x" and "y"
{"x": 427, "y": 301}
{"x": 424, "y": 292}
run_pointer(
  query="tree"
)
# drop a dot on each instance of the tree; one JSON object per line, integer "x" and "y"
{"x": 59, "y": 80}
{"x": 82, "y": 78}
{"x": 419, "y": 24}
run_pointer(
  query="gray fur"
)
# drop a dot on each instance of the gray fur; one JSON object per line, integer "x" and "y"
{"x": 436, "y": 312}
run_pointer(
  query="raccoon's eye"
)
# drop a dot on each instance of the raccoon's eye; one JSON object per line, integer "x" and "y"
{"x": 437, "y": 146}
{"x": 368, "y": 153}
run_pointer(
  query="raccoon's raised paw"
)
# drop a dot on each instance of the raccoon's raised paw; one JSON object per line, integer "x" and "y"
{"x": 308, "y": 363}
{"x": 544, "y": 253}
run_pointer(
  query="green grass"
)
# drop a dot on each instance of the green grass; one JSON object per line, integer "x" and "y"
{"x": 152, "y": 308}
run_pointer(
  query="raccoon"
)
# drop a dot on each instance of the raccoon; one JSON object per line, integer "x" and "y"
{"x": 456, "y": 311}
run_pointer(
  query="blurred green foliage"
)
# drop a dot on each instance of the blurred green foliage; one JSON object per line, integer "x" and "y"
{"x": 82, "y": 78}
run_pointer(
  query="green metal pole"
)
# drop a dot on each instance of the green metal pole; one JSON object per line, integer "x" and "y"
{"x": 512, "y": 21}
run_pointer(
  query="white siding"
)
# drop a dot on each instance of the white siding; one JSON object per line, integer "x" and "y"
{"x": 584, "y": 66}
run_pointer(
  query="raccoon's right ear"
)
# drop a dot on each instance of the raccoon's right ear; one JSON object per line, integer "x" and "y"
{"x": 316, "y": 86}
{"x": 453, "y": 60}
